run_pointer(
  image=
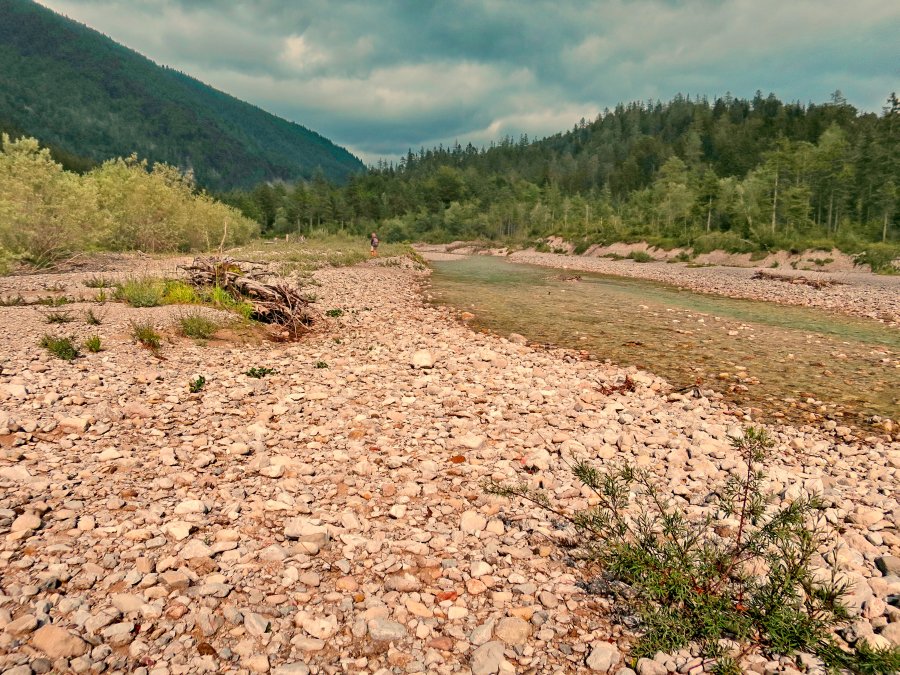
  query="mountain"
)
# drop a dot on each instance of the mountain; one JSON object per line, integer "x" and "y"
{"x": 82, "y": 93}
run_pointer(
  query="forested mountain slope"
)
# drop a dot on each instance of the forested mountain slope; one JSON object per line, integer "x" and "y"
{"x": 84, "y": 94}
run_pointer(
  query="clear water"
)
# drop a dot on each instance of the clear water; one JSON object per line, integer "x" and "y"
{"x": 761, "y": 355}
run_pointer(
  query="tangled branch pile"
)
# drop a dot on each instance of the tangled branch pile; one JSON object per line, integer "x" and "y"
{"x": 280, "y": 304}
{"x": 801, "y": 281}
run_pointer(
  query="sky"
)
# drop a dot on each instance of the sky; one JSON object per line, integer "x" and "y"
{"x": 382, "y": 76}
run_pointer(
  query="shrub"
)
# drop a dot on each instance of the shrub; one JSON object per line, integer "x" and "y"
{"x": 880, "y": 258}
{"x": 260, "y": 372}
{"x": 61, "y": 347}
{"x": 93, "y": 344}
{"x": 141, "y": 292}
{"x": 640, "y": 256}
{"x": 196, "y": 385}
{"x": 145, "y": 333}
{"x": 723, "y": 241}
{"x": 691, "y": 579}
{"x": 197, "y": 326}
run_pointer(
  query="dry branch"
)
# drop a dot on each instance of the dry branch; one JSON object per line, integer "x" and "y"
{"x": 280, "y": 304}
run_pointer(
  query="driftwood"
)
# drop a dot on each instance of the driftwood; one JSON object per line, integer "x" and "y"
{"x": 279, "y": 304}
{"x": 800, "y": 281}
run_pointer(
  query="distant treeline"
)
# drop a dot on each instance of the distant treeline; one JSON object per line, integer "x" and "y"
{"x": 47, "y": 212}
{"x": 738, "y": 174}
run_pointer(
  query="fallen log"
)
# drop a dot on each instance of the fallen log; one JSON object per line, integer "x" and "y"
{"x": 799, "y": 281}
{"x": 280, "y": 304}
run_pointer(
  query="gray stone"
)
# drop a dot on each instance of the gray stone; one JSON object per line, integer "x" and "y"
{"x": 385, "y": 630}
{"x": 603, "y": 656}
{"x": 487, "y": 659}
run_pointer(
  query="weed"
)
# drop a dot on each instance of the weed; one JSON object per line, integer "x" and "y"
{"x": 97, "y": 282}
{"x": 145, "y": 333}
{"x": 11, "y": 301}
{"x": 219, "y": 297}
{"x": 334, "y": 313}
{"x": 691, "y": 579}
{"x": 197, "y": 326}
{"x": 141, "y": 292}
{"x": 92, "y": 319}
{"x": 58, "y": 317}
{"x": 93, "y": 344}
{"x": 101, "y": 296}
{"x": 321, "y": 364}
{"x": 53, "y": 301}
{"x": 61, "y": 347}
{"x": 196, "y": 385}
{"x": 259, "y": 372}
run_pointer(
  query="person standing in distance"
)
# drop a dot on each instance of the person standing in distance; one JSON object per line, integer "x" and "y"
{"x": 373, "y": 242}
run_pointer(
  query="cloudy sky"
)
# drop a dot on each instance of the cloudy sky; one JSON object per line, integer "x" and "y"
{"x": 382, "y": 76}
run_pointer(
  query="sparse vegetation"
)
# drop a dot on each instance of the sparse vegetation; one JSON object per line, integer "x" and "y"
{"x": 321, "y": 364}
{"x": 97, "y": 282}
{"x": 743, "y": 571}
{"x": 61, "y": 347}
{"x": 91, "y": 319}
{"x": 260, "y": 372}
{"x": 145, "y": 333}
{"x": 58, "y": 317}
{"x": 196, "y": 325}
{"x": 141, "y": 291}
{"x": 640, "y": 256}
{"x": 334, "y": 313}
{"x": 196, "y": 385}
{"x": 179, "y": 293}
{"x": 93, "y": 344}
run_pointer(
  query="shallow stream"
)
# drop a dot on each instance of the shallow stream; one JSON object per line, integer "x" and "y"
{"x": 786, "y": 361}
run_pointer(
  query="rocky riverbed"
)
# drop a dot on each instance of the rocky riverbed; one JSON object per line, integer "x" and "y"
{"x": 330, "y": 518}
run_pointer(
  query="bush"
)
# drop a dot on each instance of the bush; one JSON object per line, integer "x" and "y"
{"x": 640, "y": 256}
{"x": 723, "y": 241}
{"x": 880, "y": 258}
{"x": 697, "y": 579}
{"x": 179, "y": 293}
{"x": 93, "y": 344}
{"x": 197, "y": 326}
{"x": 145, "y": 333}
{"x": 141, "y": 292}
{"x": 61, "y": 347}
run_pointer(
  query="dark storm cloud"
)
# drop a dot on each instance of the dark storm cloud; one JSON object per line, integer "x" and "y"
{"x": 381, "y": 77}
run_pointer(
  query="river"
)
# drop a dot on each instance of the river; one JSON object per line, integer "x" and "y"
{"x": 784, "y": 361}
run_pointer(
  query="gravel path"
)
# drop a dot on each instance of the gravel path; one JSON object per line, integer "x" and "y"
{"x": 331, "y": 519}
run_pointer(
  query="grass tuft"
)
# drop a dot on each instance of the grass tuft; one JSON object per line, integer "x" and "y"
{"x": 58, "y": 317}
{"x": 61, "y": 347}
{"x": 145, "y": 333}
{"x": 92, "y": 319}
{"x": 197, "y": 326}
{"x": 141, "y": 292}
{"x": 97, "y": 282}
{"x": 93, "y": 344}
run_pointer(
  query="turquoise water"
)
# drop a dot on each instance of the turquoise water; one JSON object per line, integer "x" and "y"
{"x": 759, "y": 354}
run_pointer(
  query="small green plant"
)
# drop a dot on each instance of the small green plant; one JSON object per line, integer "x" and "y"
{"x": 141, "y": 292}
{"x": 219, "y": 297}
{"x": 93, "y": 344}
{"x": 97, "y": 282}
{"x": 145, "y": 333}
{"x": 58, "y": 317}
{"x": 640, "y": 256}
{"x": 61, "y": 347}
{"x": 259, "y": 372}
{"x": 92, "y": 319}
{"x": 179, "y": 293}
{"x": 102, "y": 296}
{"x": 696, "y": 579}
{"x": 53, "y": 301}
{"x": 197, "y": 326}
{"x": 196, "y": 385}
{"x": 334, "y": 313}
{"x": 321, "y": 364}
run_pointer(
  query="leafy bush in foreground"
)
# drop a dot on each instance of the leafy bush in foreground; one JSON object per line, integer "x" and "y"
{"x": 61, "y": 347}
{"x": 744, "y": 573}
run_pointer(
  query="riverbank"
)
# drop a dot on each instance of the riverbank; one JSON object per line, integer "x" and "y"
{"x": 855, "y": 292}
{"x": 329, "y": 517}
